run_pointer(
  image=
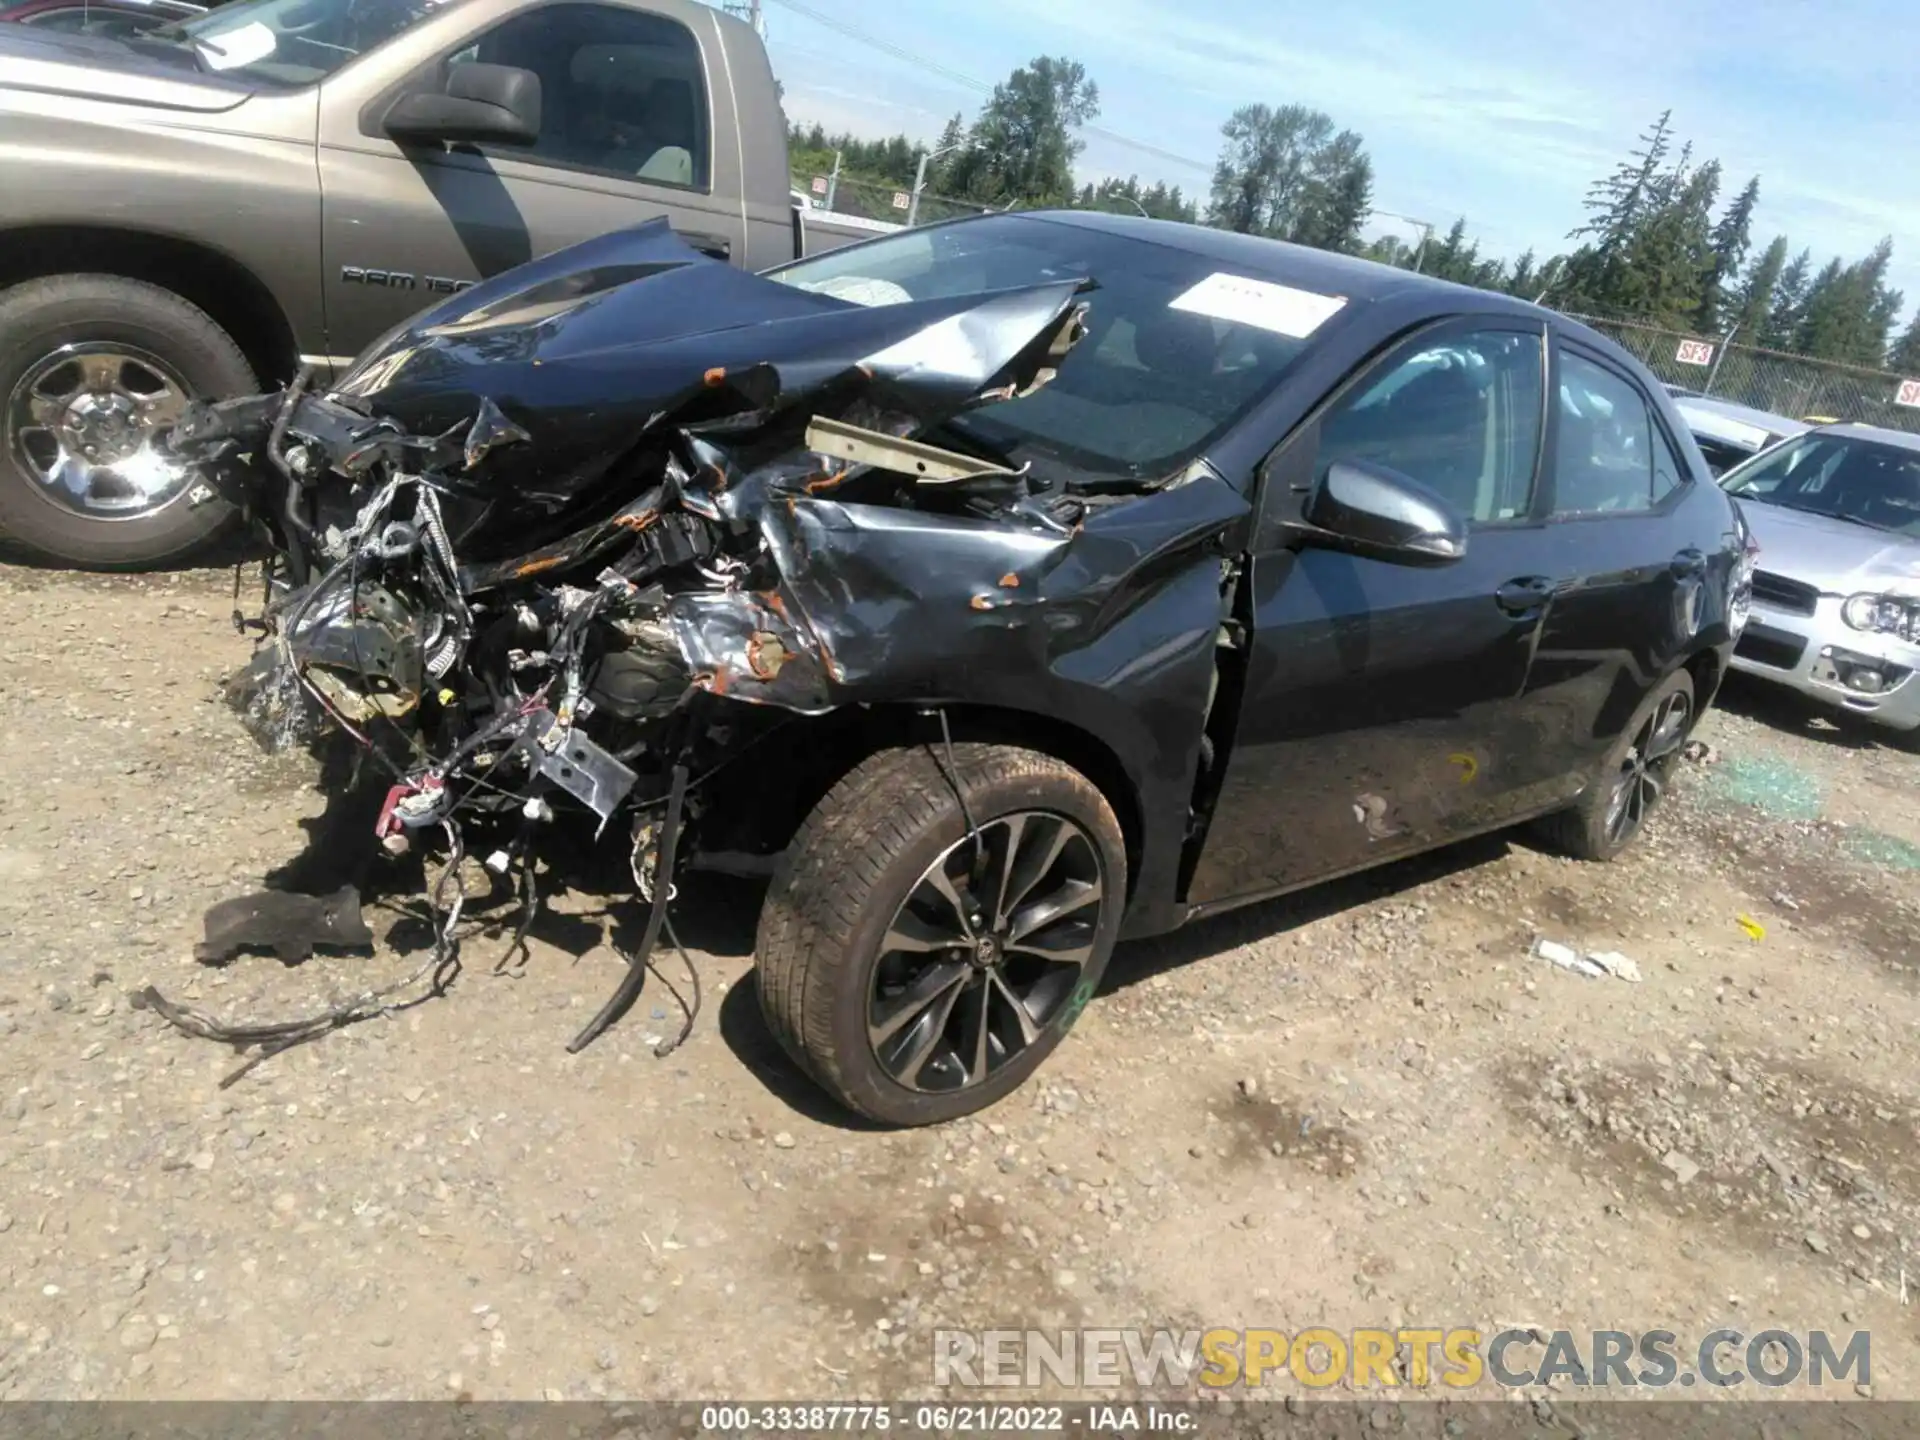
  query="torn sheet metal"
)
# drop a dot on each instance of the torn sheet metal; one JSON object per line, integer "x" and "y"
{"x": 554, "y": 541}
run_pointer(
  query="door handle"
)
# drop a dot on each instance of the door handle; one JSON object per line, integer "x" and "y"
{"x": 1689, "y": 563}
{"x": 718, "y": 246}
{"x": 1524, "y": 596}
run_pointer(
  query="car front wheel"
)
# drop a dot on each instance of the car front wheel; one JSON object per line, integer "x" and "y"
{"x": 920, "y": 959}
{"x": 92, "y": 369}
{"x": 1632, "y": 780}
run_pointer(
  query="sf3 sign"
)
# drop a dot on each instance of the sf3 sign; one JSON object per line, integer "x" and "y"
{"x": 1908, "y": 394}
{"x": 1695, "y": 352}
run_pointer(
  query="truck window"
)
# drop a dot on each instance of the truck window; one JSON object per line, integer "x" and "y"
{"x": 621, "y": 91}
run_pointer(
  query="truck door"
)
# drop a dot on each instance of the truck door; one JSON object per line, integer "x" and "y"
{"x": 636, "y": 121}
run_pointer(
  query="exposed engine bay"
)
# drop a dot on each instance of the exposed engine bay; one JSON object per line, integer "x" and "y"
{"x": 575, "y": 541}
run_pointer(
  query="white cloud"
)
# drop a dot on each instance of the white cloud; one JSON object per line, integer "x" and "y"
{"x": 1502, "y": 110}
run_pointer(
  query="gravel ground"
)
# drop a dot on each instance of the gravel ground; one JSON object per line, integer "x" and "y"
{"x": 1363, "y": 1105}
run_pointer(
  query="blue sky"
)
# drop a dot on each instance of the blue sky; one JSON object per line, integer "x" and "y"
{"x": 1503, "y": 112}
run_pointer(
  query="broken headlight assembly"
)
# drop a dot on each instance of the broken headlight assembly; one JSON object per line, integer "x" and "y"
{"x": 1895, "y": 615}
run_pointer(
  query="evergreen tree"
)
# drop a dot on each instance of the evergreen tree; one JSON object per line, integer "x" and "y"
{"x": 1731, "y": 239}
{"x": 1822, "y": 312}
{"x": 1849, "y": 310}
{"x": 1752, "y": 304}
{"x": 1522, "y": 277}
{"x": 1458, "y": 259}
{"x": 1599, "y": 275}
{"x": 1905, "y": 355}
{"x": 1783, "y": 314}
{"x": 945, "y": 150}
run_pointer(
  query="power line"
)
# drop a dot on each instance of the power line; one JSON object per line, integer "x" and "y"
{"x": 900, "y": 52}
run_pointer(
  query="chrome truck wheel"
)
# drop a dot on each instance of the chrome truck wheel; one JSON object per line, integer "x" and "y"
{"x": 93, "y": 369}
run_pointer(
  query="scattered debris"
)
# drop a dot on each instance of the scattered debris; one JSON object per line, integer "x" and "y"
{"x": 1594, "y": 965}
{"x": 291, "y": 926}
{"x": 725, "y": 547}
{"x": 1700, "y": 753}
{"x": 1771, "y": 786}
{"x": 1784, "y": 900}
{"x": 1683, "y": 1170}
{"x": 1755, "y": 930}
{"x": 1566, "y": 957}
{"x": 1619, "y": 966}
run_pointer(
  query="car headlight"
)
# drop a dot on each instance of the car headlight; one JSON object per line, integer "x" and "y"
{"x": 1884, "y": 615}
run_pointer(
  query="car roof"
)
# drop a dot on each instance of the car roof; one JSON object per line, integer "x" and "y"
{"x": 1733, "y": 422}
{"x": 1299, "y": 265}
{"x": 1854, "y": 430}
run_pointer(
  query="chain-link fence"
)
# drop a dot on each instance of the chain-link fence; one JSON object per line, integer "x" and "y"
{"x": 1776, "y": 381}
{"x": 869, "y": 200}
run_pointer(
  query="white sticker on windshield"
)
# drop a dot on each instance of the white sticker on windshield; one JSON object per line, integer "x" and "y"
{"x": 234, "y": 48}
{"x": 1279, "y": 308}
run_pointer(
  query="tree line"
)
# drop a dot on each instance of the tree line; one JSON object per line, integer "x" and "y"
{"x": 1658, "y": 244}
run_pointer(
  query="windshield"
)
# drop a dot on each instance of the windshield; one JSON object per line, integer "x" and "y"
{"x": 1840, "y": 476}
{"x": 293, "y": 43}
{"x": 1176, "y": 351}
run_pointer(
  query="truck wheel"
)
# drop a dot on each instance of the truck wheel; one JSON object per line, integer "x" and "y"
{"x": 913, "y": 981}
{"x": 1632, "y": 780}
{"x": 92, "y": 367}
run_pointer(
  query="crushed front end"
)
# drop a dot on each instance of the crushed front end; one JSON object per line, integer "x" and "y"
{"x": 539, "y": 546}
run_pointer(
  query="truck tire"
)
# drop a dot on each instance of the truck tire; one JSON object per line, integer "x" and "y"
{"x": 856, "y": 978}
{"x": 1633, "y": 778}
{"x": 91, "y": 368}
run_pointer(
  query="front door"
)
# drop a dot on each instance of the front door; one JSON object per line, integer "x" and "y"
{"x": 626, "y": 135}
{"x": 1379, "y": 713}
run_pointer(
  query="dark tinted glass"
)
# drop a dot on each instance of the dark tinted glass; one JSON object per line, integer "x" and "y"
{"x": 1153, "y": 381}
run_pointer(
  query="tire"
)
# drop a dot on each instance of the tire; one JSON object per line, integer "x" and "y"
{"x": 1653, "y": 740}
{"x": 130, "y": 320}
{"x": 863, "y": 854}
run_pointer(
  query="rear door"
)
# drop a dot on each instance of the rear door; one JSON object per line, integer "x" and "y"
{"x": 1381, "y": 700}
{"x": 636, "y": 122}
{"x": 1632, "y": 576}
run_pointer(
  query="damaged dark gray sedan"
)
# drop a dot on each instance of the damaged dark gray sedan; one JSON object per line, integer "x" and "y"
{"x": 1012, "y": 586}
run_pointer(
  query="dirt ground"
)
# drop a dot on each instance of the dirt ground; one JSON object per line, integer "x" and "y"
{"x": 1364, "y": 1105}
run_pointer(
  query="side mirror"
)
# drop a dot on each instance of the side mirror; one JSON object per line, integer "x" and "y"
{"x": 1380, "y": 513}
{"x": 483, "y": 105}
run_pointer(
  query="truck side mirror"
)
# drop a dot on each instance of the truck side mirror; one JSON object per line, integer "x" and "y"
{"x": 483, "y": 105}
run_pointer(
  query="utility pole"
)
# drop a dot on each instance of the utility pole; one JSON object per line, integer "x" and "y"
{"x": 920, "y": 180}
{"x": 751, "y": 11}
{"x": 833, "y": 180}
{"x": 1426, "y": 232}
{"x": 1719, "y": 358}
{"x": 1420, "y": 250}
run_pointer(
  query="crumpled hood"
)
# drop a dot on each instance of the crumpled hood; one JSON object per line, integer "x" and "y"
{"x": 586, "y": 348}
{"x": 95, "y": 68}
{"x": 1839, "y": 556}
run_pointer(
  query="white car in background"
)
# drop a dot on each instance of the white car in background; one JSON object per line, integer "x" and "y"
{"x": 1836, "y": 598}
{"x": 1728, "y": 433}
